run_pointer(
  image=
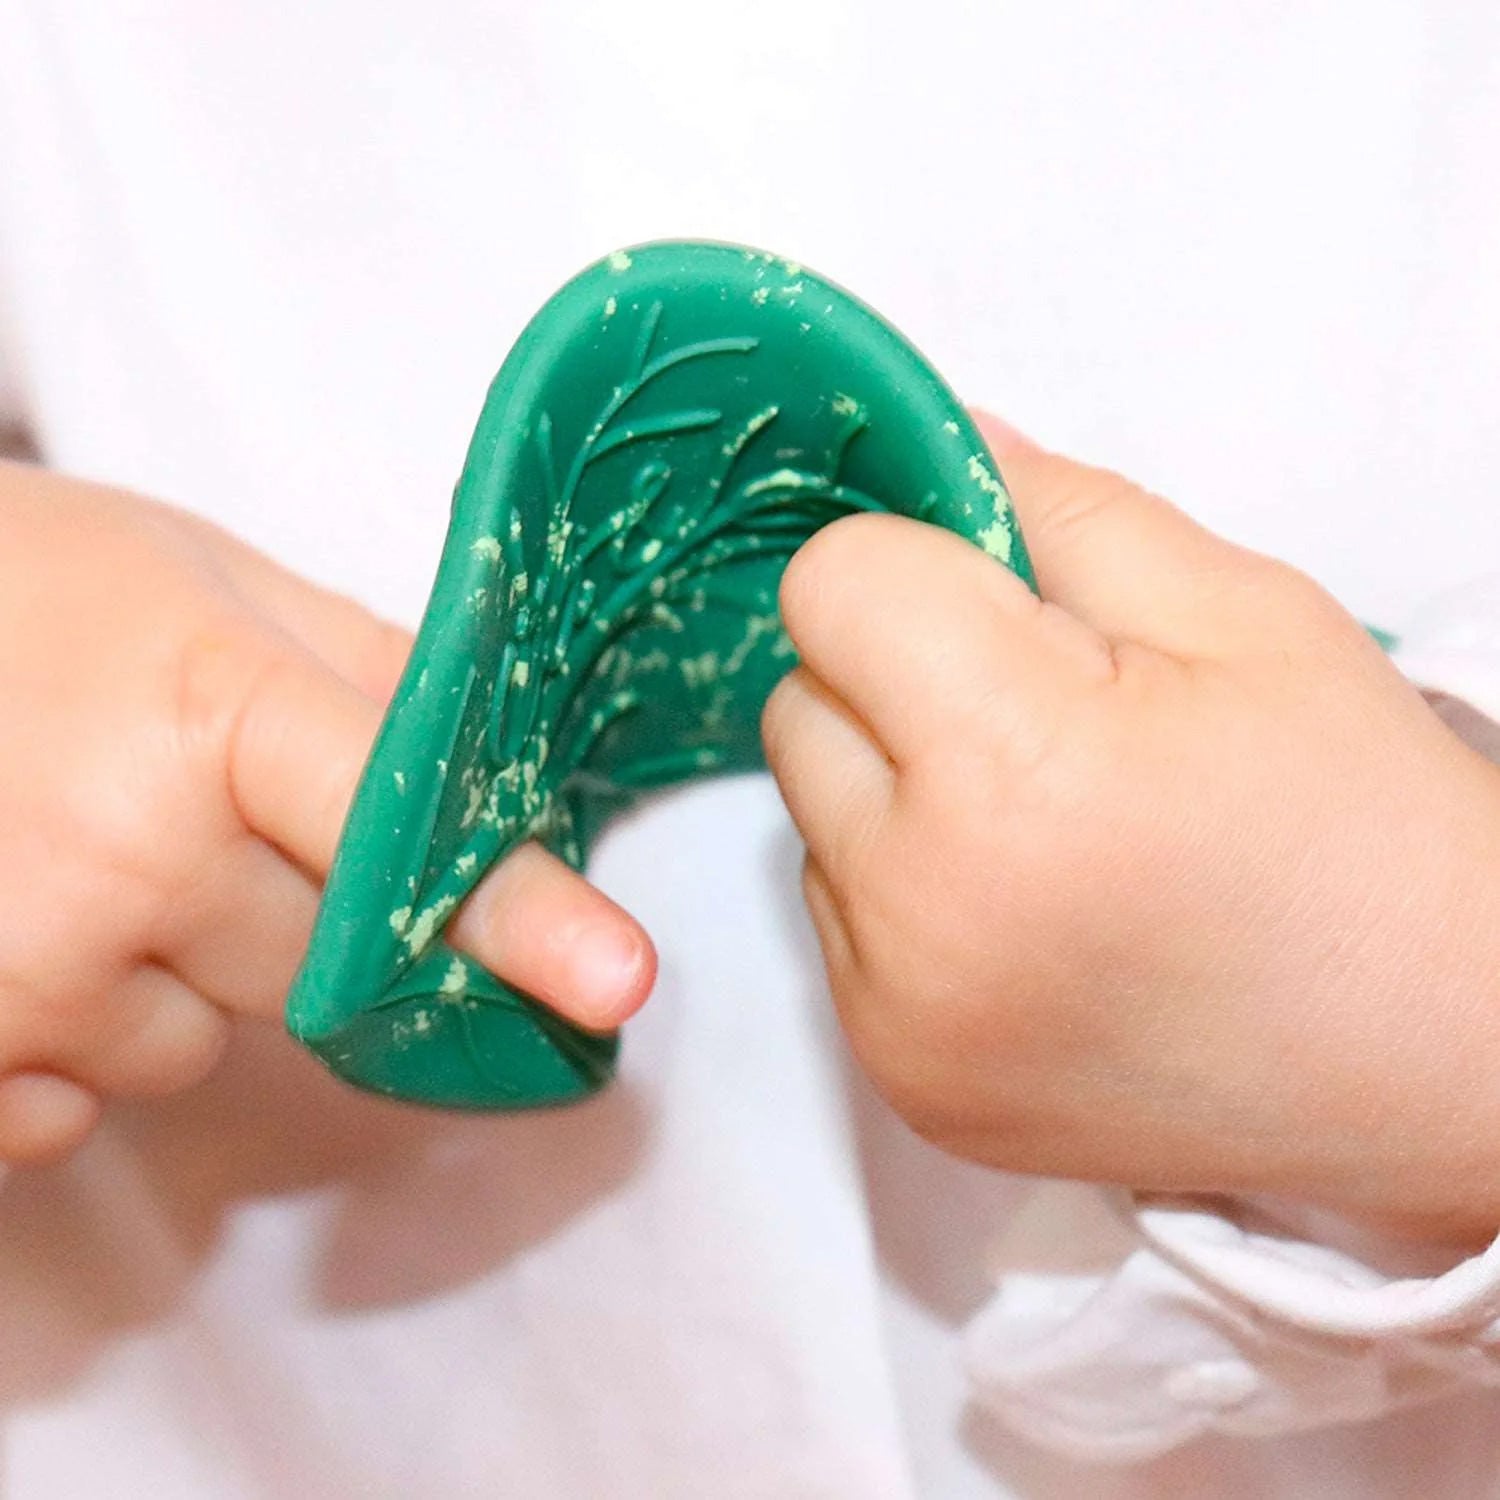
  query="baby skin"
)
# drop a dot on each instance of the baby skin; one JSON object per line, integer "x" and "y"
{"x": 1170, "y": 880}
{"x": 182, "y": 723}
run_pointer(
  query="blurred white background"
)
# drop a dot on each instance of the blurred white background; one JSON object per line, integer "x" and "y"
{"x": 264, "y": 260}
{"x": 1245, "y": 253}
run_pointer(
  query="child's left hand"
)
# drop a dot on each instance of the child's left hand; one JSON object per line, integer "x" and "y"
{"x": 182, "y": 725}
{"x": 1171, "y": 880}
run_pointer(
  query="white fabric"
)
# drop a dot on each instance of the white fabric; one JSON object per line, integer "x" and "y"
{"x": 263, "y": 259}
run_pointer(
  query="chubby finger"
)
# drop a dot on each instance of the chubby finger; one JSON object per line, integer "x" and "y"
{"x": 544, "y": 929}
{"x": 150, "y": 1034}
{"x": 239, "y": 932}
{"x": 298, "y": 743}
{"x": 836, "y": 783}
{"x": 167, "y": 1037}
{"x": 1126, "y": 562}
{"x": 918, "y": 631}
{"x": 43, "y": 1117}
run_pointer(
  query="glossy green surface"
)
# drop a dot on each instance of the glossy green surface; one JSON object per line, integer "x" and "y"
{"x": 666, "y": 432}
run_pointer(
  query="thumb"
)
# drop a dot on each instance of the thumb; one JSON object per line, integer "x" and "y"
{"x": 1113, "y": 555}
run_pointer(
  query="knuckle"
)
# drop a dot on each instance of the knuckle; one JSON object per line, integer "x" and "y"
{"x": 214, "y": 669}
{"x": 1008, "y": 784}
{"x": 1286, "y": 597}
{"x": 1280, "y": 583}
{"x": 1275, "y": 580}
{"x": 1017, "y": 758}
{"x": 1010, "y": 742}
{"x": 1084, "y": 496}
{"x": 1310, "y": 598}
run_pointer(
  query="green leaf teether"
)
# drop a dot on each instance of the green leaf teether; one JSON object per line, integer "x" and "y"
{"x": 671, "y": 426}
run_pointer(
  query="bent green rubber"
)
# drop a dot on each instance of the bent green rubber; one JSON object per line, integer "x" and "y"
{"x": 669, "y": 428}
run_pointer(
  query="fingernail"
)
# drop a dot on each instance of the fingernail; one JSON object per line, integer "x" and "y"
{"x": 604, "y": 966}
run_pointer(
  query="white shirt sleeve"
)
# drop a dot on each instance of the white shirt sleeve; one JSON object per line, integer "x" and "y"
{"x": 1253, "y": 1317}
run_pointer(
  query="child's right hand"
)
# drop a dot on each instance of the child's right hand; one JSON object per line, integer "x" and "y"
{"x": 182, "y": 723}
{"x": 1171, "y": 880}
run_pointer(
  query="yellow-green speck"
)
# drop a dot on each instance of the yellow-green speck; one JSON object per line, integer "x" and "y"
{"x": 998, "y": 539}
{"x": 980, "y": 473}
{"x": 575, "y": 593}
{"x": 420, "y": 933}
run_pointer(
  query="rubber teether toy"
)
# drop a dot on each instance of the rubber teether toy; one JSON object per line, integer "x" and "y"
{"x": 671, "y": 426}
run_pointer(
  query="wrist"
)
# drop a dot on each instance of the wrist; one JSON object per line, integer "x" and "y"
{"x": 1445, "y": 1189}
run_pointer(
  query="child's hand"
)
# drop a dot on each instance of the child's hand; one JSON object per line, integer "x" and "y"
{"x": 1170, "y": 881}
{"x": 182, "y": 723}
